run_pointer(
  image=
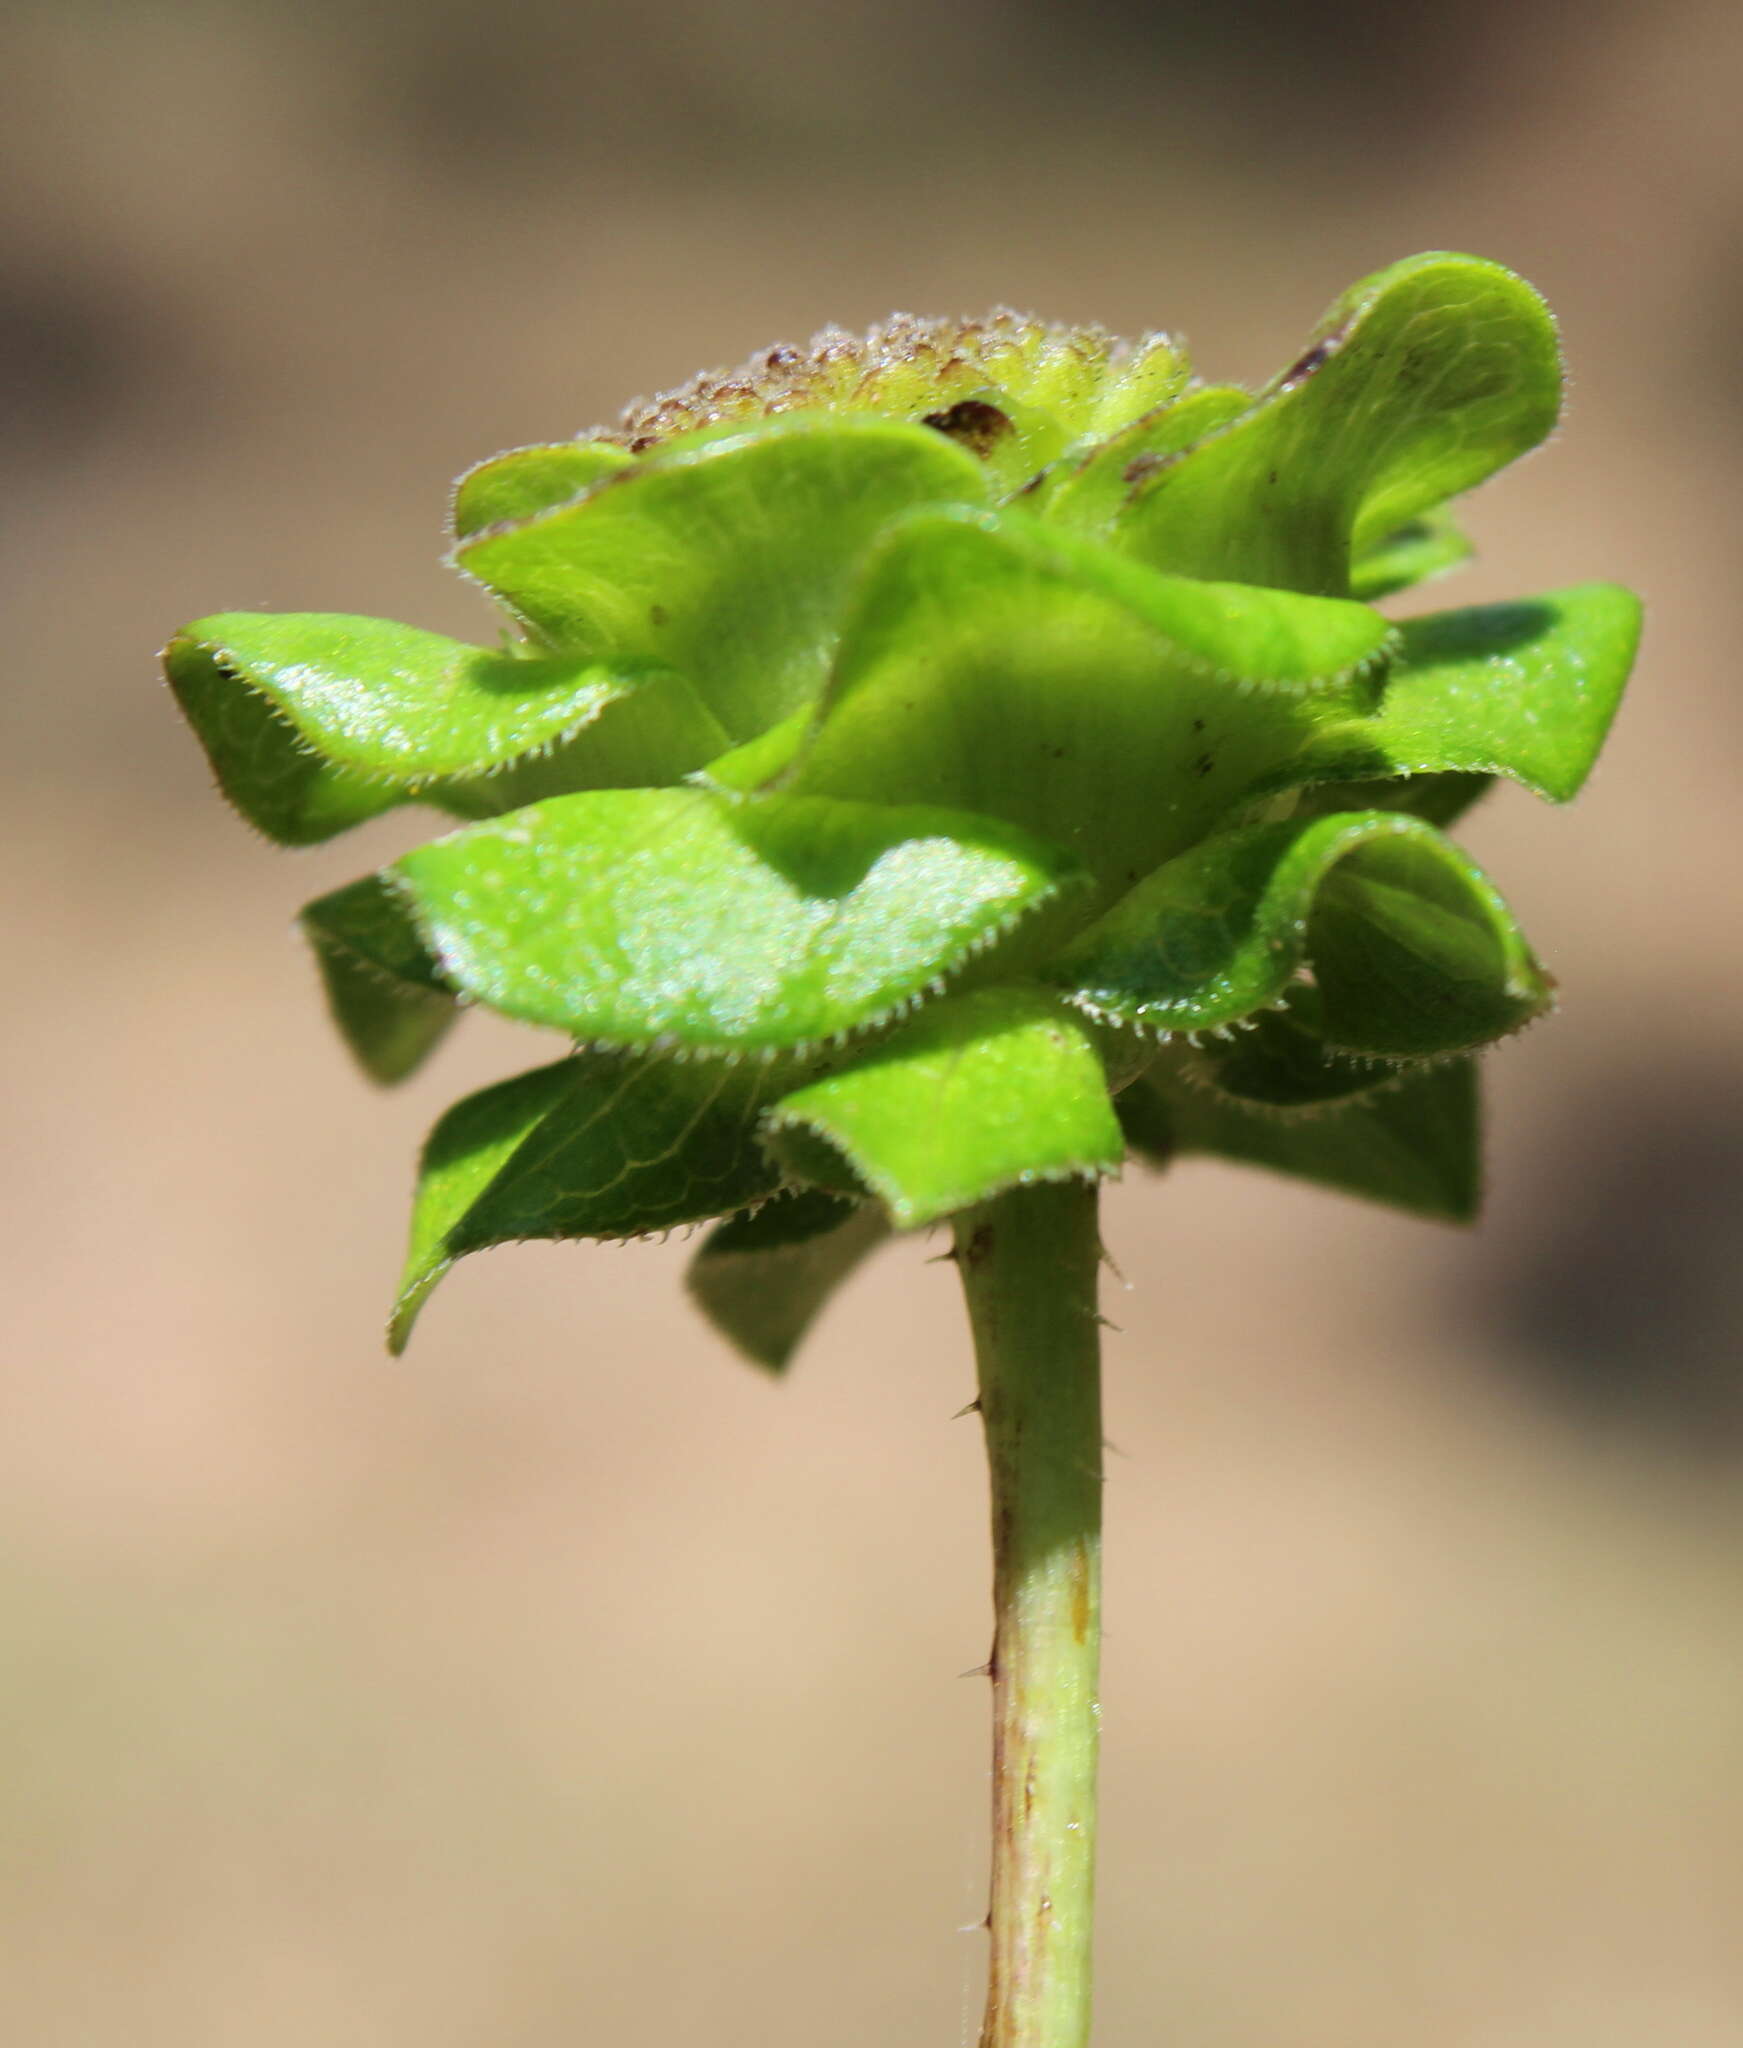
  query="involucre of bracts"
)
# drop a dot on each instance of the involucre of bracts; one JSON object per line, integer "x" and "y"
{"x": 930, "y": 764}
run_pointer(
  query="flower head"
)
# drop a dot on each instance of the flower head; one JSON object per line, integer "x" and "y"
{"x": 930, "y": 763}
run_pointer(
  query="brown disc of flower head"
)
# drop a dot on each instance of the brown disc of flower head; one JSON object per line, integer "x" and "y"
{"x": 946, "y": 372}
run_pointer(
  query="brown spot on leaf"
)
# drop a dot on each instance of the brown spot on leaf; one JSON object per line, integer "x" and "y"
{"x": 973, "y": 422}
{"x": 1314, "y": 358}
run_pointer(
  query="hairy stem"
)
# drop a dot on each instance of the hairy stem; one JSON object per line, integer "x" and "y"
{"x": 1029, "y": 1264}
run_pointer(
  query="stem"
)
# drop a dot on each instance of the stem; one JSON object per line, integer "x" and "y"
{"x": 1029, "y": 1263}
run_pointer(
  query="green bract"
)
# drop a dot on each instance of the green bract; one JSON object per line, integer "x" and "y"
{"x": 928, "y": 765}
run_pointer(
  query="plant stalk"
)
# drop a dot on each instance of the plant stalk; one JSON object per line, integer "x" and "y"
{"x": 1029, "y": 1263}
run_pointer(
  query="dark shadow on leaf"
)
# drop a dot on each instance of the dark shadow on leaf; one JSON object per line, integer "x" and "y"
{"x": 1442, "y": 799}
{"x": 1477, "y": 630}
{"x": 825, "y": 847}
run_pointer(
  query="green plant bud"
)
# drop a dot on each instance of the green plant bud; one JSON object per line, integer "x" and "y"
{"x": 932, "y": 764}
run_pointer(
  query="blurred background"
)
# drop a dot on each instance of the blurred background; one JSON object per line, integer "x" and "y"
{"x": 567, "y": 1683}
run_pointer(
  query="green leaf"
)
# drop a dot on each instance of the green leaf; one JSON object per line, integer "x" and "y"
{"x": 1078, "y": 377}
{"x": 1419, "y": 549}
{"x": 1422, "y": 380}
{"x": 998, "y": 665}
{"x": 1279, "y": 1061}
{"x": 315, "y": 721}
{"x": 264, "y": 765}
{"x": 1413, "y": 951}
{"x": 650, "y": 735}
{"x": 469, "y": 1147}
{"x": 1089, "y": 490}
{"x": 1526, "y": 689}
{"x": 727, "y": 555}
{"x": 763, "y": 1279}
{"x": 386, "y": 993}
{"x": 1416, "y": 1146}
{"x": 527, "y": 481}
{"x": 975, "y": 1094}
{"x": 1152, "y": 378}
{"x": 594, "y": 1146}
{"x": 759, "y": 764}
{"x": 684, "y": 918}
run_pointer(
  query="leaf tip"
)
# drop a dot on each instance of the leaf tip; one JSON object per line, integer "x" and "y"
{"x": 416, "y": 1287}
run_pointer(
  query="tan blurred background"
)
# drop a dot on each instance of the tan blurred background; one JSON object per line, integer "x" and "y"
{"x": 567, "y": 1684}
